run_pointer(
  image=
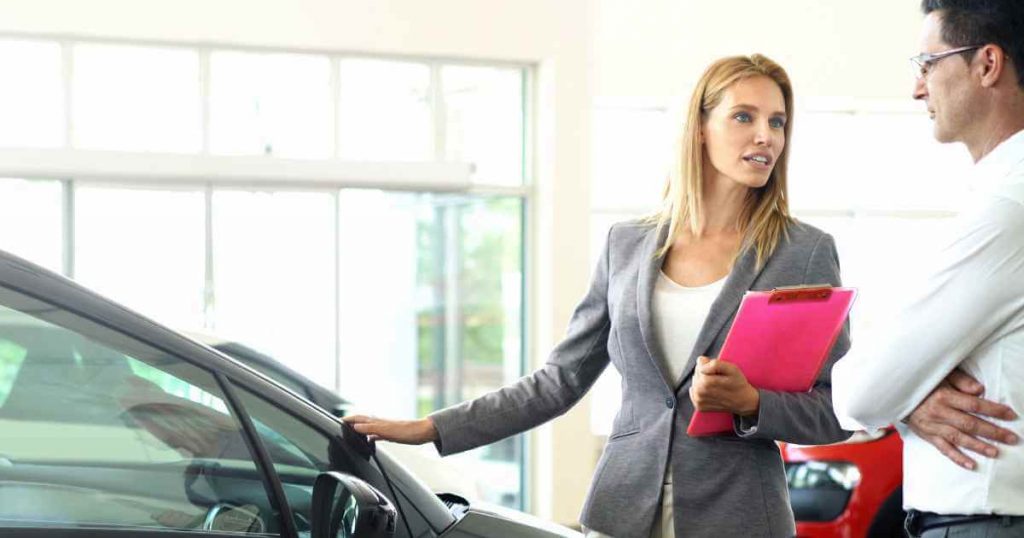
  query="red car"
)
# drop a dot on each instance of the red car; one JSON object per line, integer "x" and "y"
{"x": 851, "y": 489}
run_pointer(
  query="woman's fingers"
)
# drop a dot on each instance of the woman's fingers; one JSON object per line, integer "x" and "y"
{"x": 719, "y": 367}
{"x": 413, "y": 432}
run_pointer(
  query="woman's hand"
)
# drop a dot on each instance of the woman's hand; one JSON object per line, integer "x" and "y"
{"x": 721, "y": 386}
{"x": 409, "y": 432}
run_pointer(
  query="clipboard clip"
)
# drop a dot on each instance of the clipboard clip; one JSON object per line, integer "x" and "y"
{"x": 800, "y": 293}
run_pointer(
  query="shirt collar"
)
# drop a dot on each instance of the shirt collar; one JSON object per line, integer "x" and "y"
{"x": 1002, "y": 167}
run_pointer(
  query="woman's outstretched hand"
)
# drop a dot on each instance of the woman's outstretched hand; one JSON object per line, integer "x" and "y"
{"x": 721, "y": 386}
{"x": 409, "y": 432}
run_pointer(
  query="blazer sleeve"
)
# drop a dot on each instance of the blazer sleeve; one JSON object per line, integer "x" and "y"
{"x": 806, "y": 418}
{"x": 571, "y": 369}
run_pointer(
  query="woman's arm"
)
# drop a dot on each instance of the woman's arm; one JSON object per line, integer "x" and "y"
{"x": 550, "y": 391}
{"x": 805, "y": 418}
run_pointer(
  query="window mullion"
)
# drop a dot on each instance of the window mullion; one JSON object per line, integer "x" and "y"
{"x": 452, "y": 306}
{"x": 209, "y": 291}
{"x": 68, "y": 226}
{"x": 336, "y": 195}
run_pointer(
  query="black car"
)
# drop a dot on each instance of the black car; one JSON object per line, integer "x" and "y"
{"x": 112, "y": 425}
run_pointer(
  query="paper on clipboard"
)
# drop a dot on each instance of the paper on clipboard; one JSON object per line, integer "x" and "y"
{"x": 780, "y": 339}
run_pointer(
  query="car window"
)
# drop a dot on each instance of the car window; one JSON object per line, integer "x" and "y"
{"x": 96, "y": 434}
{"x": 11, "y": 357}
{"x": 299, "y": 452}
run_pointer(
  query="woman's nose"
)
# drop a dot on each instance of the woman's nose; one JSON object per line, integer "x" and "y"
{"x": 763, "y": 136}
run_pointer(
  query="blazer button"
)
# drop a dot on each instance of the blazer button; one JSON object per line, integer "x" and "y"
{"x": 670, "y": 402}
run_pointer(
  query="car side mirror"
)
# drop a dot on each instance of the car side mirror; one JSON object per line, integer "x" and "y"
{"x": 347, "y": 507}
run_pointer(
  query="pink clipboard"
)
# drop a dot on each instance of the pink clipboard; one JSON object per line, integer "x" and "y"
{"x": 780, "y": 339}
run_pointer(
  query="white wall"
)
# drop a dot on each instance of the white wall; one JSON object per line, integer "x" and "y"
{"x": 829, "y": 47}
{"x": 550, "y": 34}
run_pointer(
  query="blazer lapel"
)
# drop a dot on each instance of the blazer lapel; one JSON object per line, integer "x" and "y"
{"x": 649, "y": 268}
{"x": 736, "y": 285}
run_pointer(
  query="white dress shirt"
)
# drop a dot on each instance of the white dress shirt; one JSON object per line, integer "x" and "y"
{"x": 967, "y": 313}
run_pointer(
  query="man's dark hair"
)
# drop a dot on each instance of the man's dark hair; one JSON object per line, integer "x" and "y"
{"x": 981, "y": 22}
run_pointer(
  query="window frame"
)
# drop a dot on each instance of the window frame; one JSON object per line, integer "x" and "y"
{"x": 74, "y": 167}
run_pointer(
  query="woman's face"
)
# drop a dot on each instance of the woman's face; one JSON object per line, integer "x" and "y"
{"x": 744, "y": 135}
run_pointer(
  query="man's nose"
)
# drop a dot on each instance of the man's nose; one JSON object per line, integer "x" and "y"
{"x": 920, "y": 89}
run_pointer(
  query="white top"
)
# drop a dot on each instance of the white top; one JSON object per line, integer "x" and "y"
{"x": 679, "y": 313}
{"x": 968, "y": 313}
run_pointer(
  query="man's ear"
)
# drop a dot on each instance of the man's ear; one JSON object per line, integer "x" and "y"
{"x": 993, "y": 64}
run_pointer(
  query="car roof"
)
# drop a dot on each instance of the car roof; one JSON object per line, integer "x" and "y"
{"x": 247, "y": 355}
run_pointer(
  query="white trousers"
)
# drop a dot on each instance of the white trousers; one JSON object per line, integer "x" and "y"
{"x": 662, "y": 527}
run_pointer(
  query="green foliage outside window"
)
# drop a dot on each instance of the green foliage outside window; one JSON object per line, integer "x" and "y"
{"x": 11, "y": 357}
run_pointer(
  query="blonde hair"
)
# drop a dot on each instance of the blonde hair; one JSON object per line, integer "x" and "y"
{"x": 765, "y": 215}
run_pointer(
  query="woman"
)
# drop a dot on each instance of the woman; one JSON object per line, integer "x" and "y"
{"x": 663, "y": 296}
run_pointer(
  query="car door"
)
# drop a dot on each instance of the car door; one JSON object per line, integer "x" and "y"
{"x": 103, "y": 434}
{"x": 299, "y": 451}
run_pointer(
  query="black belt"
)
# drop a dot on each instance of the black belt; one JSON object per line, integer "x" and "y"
{"x": 918, "y": 522}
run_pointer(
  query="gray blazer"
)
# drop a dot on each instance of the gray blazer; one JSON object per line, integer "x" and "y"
{"x": 723, "y": 486}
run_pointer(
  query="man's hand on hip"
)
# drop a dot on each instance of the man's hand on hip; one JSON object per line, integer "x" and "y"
{"x": 949, "y": 419}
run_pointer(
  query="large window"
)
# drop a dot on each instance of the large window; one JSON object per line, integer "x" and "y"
{"x": 135, "y": 98}
{"x": 31, "y": 220}
{"x": 31, "y": 97}
{"x": 869, "y": 173}
{"x": 385, "y": 111}
{"x": 397, "y": 292}
{"x": 143, "y": 247}
{"x": 273, "y": 277}
{"x": 270, "y": 104}
{"x": 438, "y": 304}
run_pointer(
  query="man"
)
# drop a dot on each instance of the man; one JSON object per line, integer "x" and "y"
{"x": 961, "y": 335}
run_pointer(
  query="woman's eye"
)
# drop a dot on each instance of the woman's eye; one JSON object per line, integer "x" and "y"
{"x": 742, "y": 117}
{"x": 777, "y": 123}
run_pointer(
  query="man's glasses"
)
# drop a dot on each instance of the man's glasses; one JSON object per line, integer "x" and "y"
{"x": 923, "y": 62}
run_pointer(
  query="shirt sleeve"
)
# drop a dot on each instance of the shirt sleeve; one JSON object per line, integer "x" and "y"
{"x": 973, "y": 288}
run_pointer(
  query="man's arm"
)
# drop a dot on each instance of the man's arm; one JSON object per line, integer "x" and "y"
{"x": 968, "y": 297}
